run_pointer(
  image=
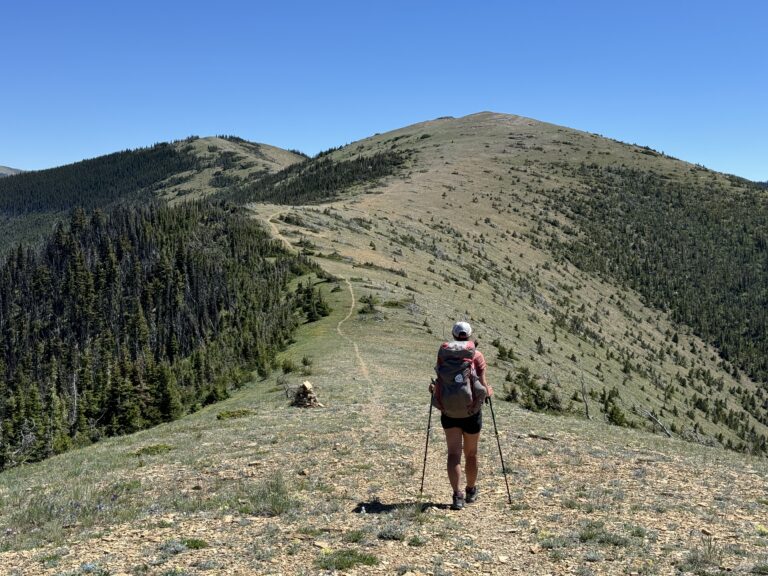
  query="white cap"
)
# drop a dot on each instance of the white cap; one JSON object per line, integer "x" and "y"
{"x": 462, "y": 329}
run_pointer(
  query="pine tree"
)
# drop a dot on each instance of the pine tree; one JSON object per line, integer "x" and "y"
{"x": 166, "y": 394}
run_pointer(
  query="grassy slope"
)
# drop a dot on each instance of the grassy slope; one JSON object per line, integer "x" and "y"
{"x": 250, "y": 159}
{"x": 588, "y": 497}
{"x": 480, "y": 177}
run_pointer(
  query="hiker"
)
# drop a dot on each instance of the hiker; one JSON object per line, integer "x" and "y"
{"x": 459, "y": 392}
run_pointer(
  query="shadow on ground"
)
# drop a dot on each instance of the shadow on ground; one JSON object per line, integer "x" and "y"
{"x": 379, "y": 507}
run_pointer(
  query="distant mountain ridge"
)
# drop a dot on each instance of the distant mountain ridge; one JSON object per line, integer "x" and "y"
{"x": 6, "y": 171}
{"x": 33, "y": 202}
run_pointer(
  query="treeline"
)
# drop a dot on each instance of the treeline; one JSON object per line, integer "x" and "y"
{"x": 699, "y": 252}
{"x": 96, "y": 183}
{"x": 317, "y": 179}
{"x": 124, "y": 321}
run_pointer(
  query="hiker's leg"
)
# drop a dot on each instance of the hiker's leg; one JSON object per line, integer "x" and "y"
{"x": 454, "y": 438}
{"x": 470, "y": 457}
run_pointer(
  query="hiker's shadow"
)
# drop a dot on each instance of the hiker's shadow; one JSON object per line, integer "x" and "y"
{"x": 379, "y": 507}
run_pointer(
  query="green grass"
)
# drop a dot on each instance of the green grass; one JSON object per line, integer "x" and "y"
{"x": 345, "y": 559}
{"x": 417, "y": 541}
{"x": 195, "y": 543}
{"x": 268, "y": 497}
{"x": 595, "y": 531}
{"x": 353, "y": 536}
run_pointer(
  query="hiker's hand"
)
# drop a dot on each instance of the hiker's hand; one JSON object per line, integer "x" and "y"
{"x": 490, "y": 391}
{"x": 431, "y": 387}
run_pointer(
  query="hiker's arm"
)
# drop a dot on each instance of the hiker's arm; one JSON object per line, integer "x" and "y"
{"x": 480, "y": 368}
{"x": 484, "y": 382}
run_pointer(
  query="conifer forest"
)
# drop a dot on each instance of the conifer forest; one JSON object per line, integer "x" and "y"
{"x": 124, "y": 320}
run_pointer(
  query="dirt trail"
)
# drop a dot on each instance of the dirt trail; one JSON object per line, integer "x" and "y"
{"x": 276, "y": 231}
{"x": 375, "y": 409}
{"x": 363, "y": 366}
{"x": 352, "y": 301}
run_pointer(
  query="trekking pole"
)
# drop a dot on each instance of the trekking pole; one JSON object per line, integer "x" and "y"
{"x": 498, "y": 442}
{"x": 426, "y": 445}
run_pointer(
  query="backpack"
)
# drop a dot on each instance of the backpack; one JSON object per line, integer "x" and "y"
{"x": 457, "y": 385}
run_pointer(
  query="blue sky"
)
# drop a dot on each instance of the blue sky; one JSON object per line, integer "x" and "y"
{"x": 84, "y": 78}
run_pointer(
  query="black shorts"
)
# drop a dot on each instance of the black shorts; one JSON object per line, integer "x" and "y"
{"x": 470, "y": 425}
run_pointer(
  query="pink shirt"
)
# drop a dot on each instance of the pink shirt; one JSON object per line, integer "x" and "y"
{"x": 479, "y": 363}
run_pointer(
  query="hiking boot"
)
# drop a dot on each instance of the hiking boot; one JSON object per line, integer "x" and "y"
{"x": 471, "y": 495}
{"x": 458, "y": 501}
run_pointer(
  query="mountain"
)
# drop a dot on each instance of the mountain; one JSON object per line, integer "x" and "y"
{"x": 5, "y": 171}
{"x": 606, "y": 259}
{"x": 616, "y": 294}
{"x": 32, "y": 203}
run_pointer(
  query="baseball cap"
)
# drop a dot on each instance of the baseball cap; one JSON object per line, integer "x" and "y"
{"x": 461, "y": 329}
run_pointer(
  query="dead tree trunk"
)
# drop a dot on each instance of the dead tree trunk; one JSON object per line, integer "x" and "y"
{"x": 584, "y": 397}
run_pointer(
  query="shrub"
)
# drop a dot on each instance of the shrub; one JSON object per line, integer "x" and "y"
{"x": 391, "y": 532}
{"x": 353, "y": 536}
{"x": 369, "y": 302}
{"x": 230, "y": 414}
{"x": 172, "y": 547}
{"x": 344, "y": 559}
{"x": 195, "y": 543}
{"x": 416, "y": 541}
{"x": 288, "y": 366}
{"x": 153, "y": 450}
{"x": 526, "y": 390}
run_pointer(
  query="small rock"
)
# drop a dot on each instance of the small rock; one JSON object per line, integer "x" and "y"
{"x": 322, "y": 544}
{"x": 706, "y": 532}
{"x": 503, "y": 559}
